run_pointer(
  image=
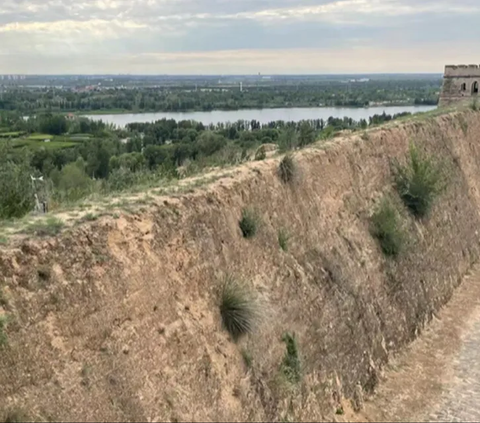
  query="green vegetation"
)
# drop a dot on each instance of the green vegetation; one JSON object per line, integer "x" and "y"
{"x": 283, "y": 238}
{"x": 16, "y": 196}
{"x": 287, "y": 169}
{"x": 205, "y": 94}
{"x": 386, "y": 227}
{"x": 419, "y": 181}
{"x": 249, "y": 222}
{"x": 85, "y": 158}
{"x": 247, "y": 358}
{"x": 45, "y": 227}
{"x": 237, "y": 309}
{"x": 261, "y": 153}
{"x": 3, "y": 335}
{"x": 291, "y": 364}
{"x": 16, "y": 416}
{"x": 90, "y": 217}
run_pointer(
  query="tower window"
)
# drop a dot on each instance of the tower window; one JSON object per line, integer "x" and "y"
{"x": 463, "y": 87}
{"x": 475, "y": 87}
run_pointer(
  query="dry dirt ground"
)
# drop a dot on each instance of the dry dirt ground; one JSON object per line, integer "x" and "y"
{"x": 438, "y": 378}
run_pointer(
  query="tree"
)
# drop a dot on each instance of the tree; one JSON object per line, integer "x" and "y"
{"x": 307, "y": 134}
{"x": 16, "y": 191}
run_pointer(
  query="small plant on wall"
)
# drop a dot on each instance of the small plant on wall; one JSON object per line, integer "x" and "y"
{"x": 419, "y": 181}
{"x": 387, "y": 229}
{"x": 238, "y": 308}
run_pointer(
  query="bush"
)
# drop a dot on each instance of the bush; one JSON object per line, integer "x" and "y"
{"x": 237, "y": 309}
{"x": 291, "y": 364}
{"x": 72, "y": 182}
{"x": 418, "y": 182}
{"x": 288, "y": 140}
{"x": 283, "y": 238}
{"x": 387, "y": 229}
{"x": 16, "y": 192}
{"x": 249, "y": 223}
{"x": 287, "y": 169}
{"x": 261, "y": 153}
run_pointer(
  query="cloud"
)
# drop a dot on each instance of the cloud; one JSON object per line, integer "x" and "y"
{"x": 132, "y": 30}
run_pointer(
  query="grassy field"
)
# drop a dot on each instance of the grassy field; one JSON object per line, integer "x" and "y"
{"x": 36, "y": 141}
{"x": 10, "y": 134}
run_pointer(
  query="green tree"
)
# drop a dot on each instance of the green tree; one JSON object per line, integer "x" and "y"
{"x": 16, "y": 191}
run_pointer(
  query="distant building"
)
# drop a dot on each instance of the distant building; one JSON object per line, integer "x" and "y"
{"x": 460, "y": 83}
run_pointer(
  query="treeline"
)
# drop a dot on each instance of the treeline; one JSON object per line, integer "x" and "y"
{"x": 115, "y": 159}
{"x": 188, "y": 98}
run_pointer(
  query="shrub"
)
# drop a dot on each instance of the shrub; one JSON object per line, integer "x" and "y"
{"x": 261, "y": 153}
{"x": 291, "y": 364}
{"x": 3, "y": 335}
{"x": 287, "y": 169}
{"x": 249, "y": 223}
{"x": 72, "y": 183}
{"x": 418, "y": 182}
{"x": 283, "y": 238}
{"x": 16, "y": 192}
{"x": 237, "y": 309}
{"x": 387, "y": 229}
{"x": 288, "y": 140}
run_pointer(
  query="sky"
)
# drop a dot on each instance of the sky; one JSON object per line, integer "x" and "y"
{"x": 236, "y": 36}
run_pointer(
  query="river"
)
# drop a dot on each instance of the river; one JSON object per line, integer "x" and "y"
{"x": 262, "y": 115}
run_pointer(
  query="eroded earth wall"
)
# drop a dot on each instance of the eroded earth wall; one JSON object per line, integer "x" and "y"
{"x": 118, "y": 319}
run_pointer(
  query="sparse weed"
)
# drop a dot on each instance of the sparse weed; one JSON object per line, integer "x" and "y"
{"x": 237, "y": 309}
{"x": 49, "y": 227}
{"x": 15, "y": 416}
{"x": 386, "y": 227}
{"x": 90, "y": 217}
{"x": 283, "y": 238}
{"x": 247, "y": 358}
{"x": 419, "y": 181}
{"x": 3, "y": 335}
{"x": 291, "y": 364}
{"x": 463, "y": 124}
{"x": 474, "y": 105}
{"x": 287, "y": 169}
{"x": 249, "y": 222}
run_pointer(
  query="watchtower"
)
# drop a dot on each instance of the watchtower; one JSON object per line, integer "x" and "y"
{"x": 460, "y": 83}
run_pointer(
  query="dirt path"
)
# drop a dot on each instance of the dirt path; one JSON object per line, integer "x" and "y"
{"x": 438, "y": 377}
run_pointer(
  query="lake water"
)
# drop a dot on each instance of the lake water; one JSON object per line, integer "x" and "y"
{"x": 262, "y": 115}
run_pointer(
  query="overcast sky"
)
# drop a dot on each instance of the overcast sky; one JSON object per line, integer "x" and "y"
{"x": 236, "y": 36}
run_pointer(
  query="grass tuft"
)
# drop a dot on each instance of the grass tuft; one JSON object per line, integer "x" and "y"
{"x": 291, "y": 364}
{"x": 287, "y": 169}
{"x": 249, "y": 222}
{"x": 261, "y": 153}
{"x": 419, "y": 181}
{"x": 237, "y": 309}
{"x": 3, "y": 335}
{"x": 386, "y": 227}
{"x": 283, "y": 238}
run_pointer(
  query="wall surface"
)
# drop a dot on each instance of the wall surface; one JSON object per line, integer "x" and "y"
{"x": 118, "y": 319}
{"x": 460, "y": 83}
